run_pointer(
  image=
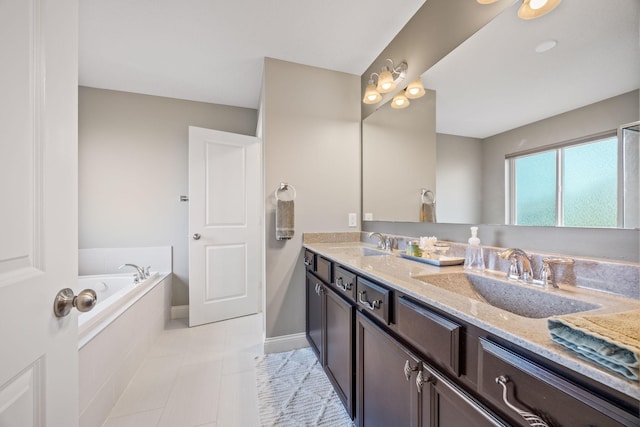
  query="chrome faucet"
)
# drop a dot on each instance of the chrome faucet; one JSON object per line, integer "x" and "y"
{"x": 524, "y": 273}
{"x": 140, "y": 276}
{"x": 385, "y": 242}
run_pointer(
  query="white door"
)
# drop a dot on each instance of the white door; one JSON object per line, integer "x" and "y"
{"x": 38, "y": 211}
{"x": 224, "y": 225}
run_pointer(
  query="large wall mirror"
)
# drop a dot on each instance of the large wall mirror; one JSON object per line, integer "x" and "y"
{"x": 513, "y": 90}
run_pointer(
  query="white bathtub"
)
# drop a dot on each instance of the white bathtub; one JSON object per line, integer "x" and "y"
{"x": 114, "y": 337}
{"x": 116, "y": 293}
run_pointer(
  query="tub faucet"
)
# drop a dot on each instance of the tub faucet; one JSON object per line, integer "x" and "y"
{"x": 140, "y": 276}
{"x": 515, "y": 272}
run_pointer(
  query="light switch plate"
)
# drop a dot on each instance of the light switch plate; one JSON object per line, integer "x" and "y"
{"x": 353, "y": 220}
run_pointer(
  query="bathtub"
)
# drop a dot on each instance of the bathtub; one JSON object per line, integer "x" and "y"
{"x": 115, "y": 337}
{"x": 116, "y": 293}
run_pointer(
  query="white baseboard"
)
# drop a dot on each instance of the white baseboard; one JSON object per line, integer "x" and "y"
{"x": 285, "y": 343}
{"x": 179, "y": 312}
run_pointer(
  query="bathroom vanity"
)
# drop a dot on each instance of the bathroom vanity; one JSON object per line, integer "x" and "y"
{"x": 400, "y": 350}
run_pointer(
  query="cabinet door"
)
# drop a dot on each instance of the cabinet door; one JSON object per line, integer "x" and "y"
{"x": 339, "y": 339}
{"x": 385, "y": 396}
{"x": 444, "y": 405}
{"x": 314, "y": 296}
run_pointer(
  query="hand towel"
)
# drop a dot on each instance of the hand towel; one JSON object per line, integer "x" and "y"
{"x": 609, "y": 340}
{"x": 284, "y": 219}
{"x": 427, "y": 212}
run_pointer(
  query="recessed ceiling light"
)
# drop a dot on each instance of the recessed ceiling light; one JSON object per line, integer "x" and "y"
{"x": 546, "y": 46}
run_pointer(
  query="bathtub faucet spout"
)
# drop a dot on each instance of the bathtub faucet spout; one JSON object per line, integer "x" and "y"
{"x": 140, "y": 276}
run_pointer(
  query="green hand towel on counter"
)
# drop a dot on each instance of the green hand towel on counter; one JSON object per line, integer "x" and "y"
{"x": 609, "y": 340}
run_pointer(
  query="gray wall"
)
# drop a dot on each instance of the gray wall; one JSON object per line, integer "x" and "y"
{"x": 133, "y": 166}
{"x": 399, "y": 159}
{"x": 458, "y": 179}
{"x": 595, "y": 118}
{"x": 311, "y": 135}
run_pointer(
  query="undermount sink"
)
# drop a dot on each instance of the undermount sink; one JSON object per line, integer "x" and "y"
{"x": 360, "y": 251}
{"x": 521, "y": 299}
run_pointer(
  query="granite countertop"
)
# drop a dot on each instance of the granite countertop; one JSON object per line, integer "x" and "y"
{"x": 532, "y": 334}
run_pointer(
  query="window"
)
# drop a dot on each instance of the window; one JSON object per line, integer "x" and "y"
{"x": 572, "y": 185}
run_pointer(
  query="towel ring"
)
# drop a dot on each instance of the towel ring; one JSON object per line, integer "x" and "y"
{"x": 431, "y": 198}
{"x": 284, "y": 188}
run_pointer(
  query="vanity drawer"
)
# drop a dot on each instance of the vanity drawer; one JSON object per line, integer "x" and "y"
{"x": 324, "y": 269}
{"x": 432, "y": 334}
{"x": 374, "y": 299}
{"x": 310, "y": 260}
{"x": 534, "y": 389}
{"x": 344, "y": 283}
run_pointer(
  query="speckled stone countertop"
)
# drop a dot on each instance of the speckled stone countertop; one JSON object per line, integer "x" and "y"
{"x": 532, "y": 334}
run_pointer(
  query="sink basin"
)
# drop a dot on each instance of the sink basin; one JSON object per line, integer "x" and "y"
{"x": 521, "y": 299}
{"x": 360, "y": 251}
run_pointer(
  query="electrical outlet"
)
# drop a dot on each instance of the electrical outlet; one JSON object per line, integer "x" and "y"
{"x": 368, "y": 216}
{"x": 353, "y": 220}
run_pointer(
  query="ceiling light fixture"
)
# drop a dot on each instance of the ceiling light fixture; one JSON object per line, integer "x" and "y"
{"x": 531, "y": 9}
{"x": 415, "y": 89}
{"x": 546, "y": 46}
{"x": 387, "y": 81}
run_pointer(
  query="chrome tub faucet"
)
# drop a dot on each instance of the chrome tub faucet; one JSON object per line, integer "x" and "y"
{"x": 140, "y": 275}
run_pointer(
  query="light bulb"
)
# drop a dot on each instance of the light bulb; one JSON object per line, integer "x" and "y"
{"x": 385, "y": 82}
{"x": 537, "y": 4}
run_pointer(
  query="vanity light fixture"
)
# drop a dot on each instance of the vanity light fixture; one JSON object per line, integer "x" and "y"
{"x": 390, "y": 77}
{"x": 400, "y": 101}
{"x": 371, "y": 94}
{"x": 415, "y": 89}
{"x": 531, "y": 9}
{"x": 387, "y": 81}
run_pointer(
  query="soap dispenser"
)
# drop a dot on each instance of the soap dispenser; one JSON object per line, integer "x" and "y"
{"x": 474, "y": 257}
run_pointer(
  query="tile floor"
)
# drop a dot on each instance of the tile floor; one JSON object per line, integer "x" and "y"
{"x": 202, "y": 376}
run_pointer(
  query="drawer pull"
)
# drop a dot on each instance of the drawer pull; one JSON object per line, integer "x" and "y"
{"x": 408, "y": 369}
{"x": 530, "y": 418}
{"x": 307, "y": 261}
{"x": 340, "y": 284}
{"x": 370, "y": 305}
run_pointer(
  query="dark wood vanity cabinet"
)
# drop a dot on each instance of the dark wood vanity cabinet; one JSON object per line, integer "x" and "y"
{"x": 339, "y": 347}
{"x": 386, "y": 397}
{"x": 330, "y": 329}
{"x": 397, "y": 361}
{"x": 314, "y": 316}
{"x": 395, "y": 387}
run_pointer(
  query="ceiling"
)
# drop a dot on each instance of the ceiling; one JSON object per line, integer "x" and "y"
{"x": 495, "y": 81}
{"x": 213, "y": 50}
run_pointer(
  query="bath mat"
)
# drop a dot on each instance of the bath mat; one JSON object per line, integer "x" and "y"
{"x": 293, "y": 390}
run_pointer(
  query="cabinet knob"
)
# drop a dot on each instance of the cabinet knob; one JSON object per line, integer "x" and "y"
{"x": 531, "y": 419}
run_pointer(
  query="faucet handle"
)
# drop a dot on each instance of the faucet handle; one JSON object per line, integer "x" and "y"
{"x": 545, "y": 272}
{"x": 514, "y": 271}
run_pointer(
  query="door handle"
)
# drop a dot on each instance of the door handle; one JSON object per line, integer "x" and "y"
{"x": 65, "y": 300}
{"x": 196, "y": 236}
